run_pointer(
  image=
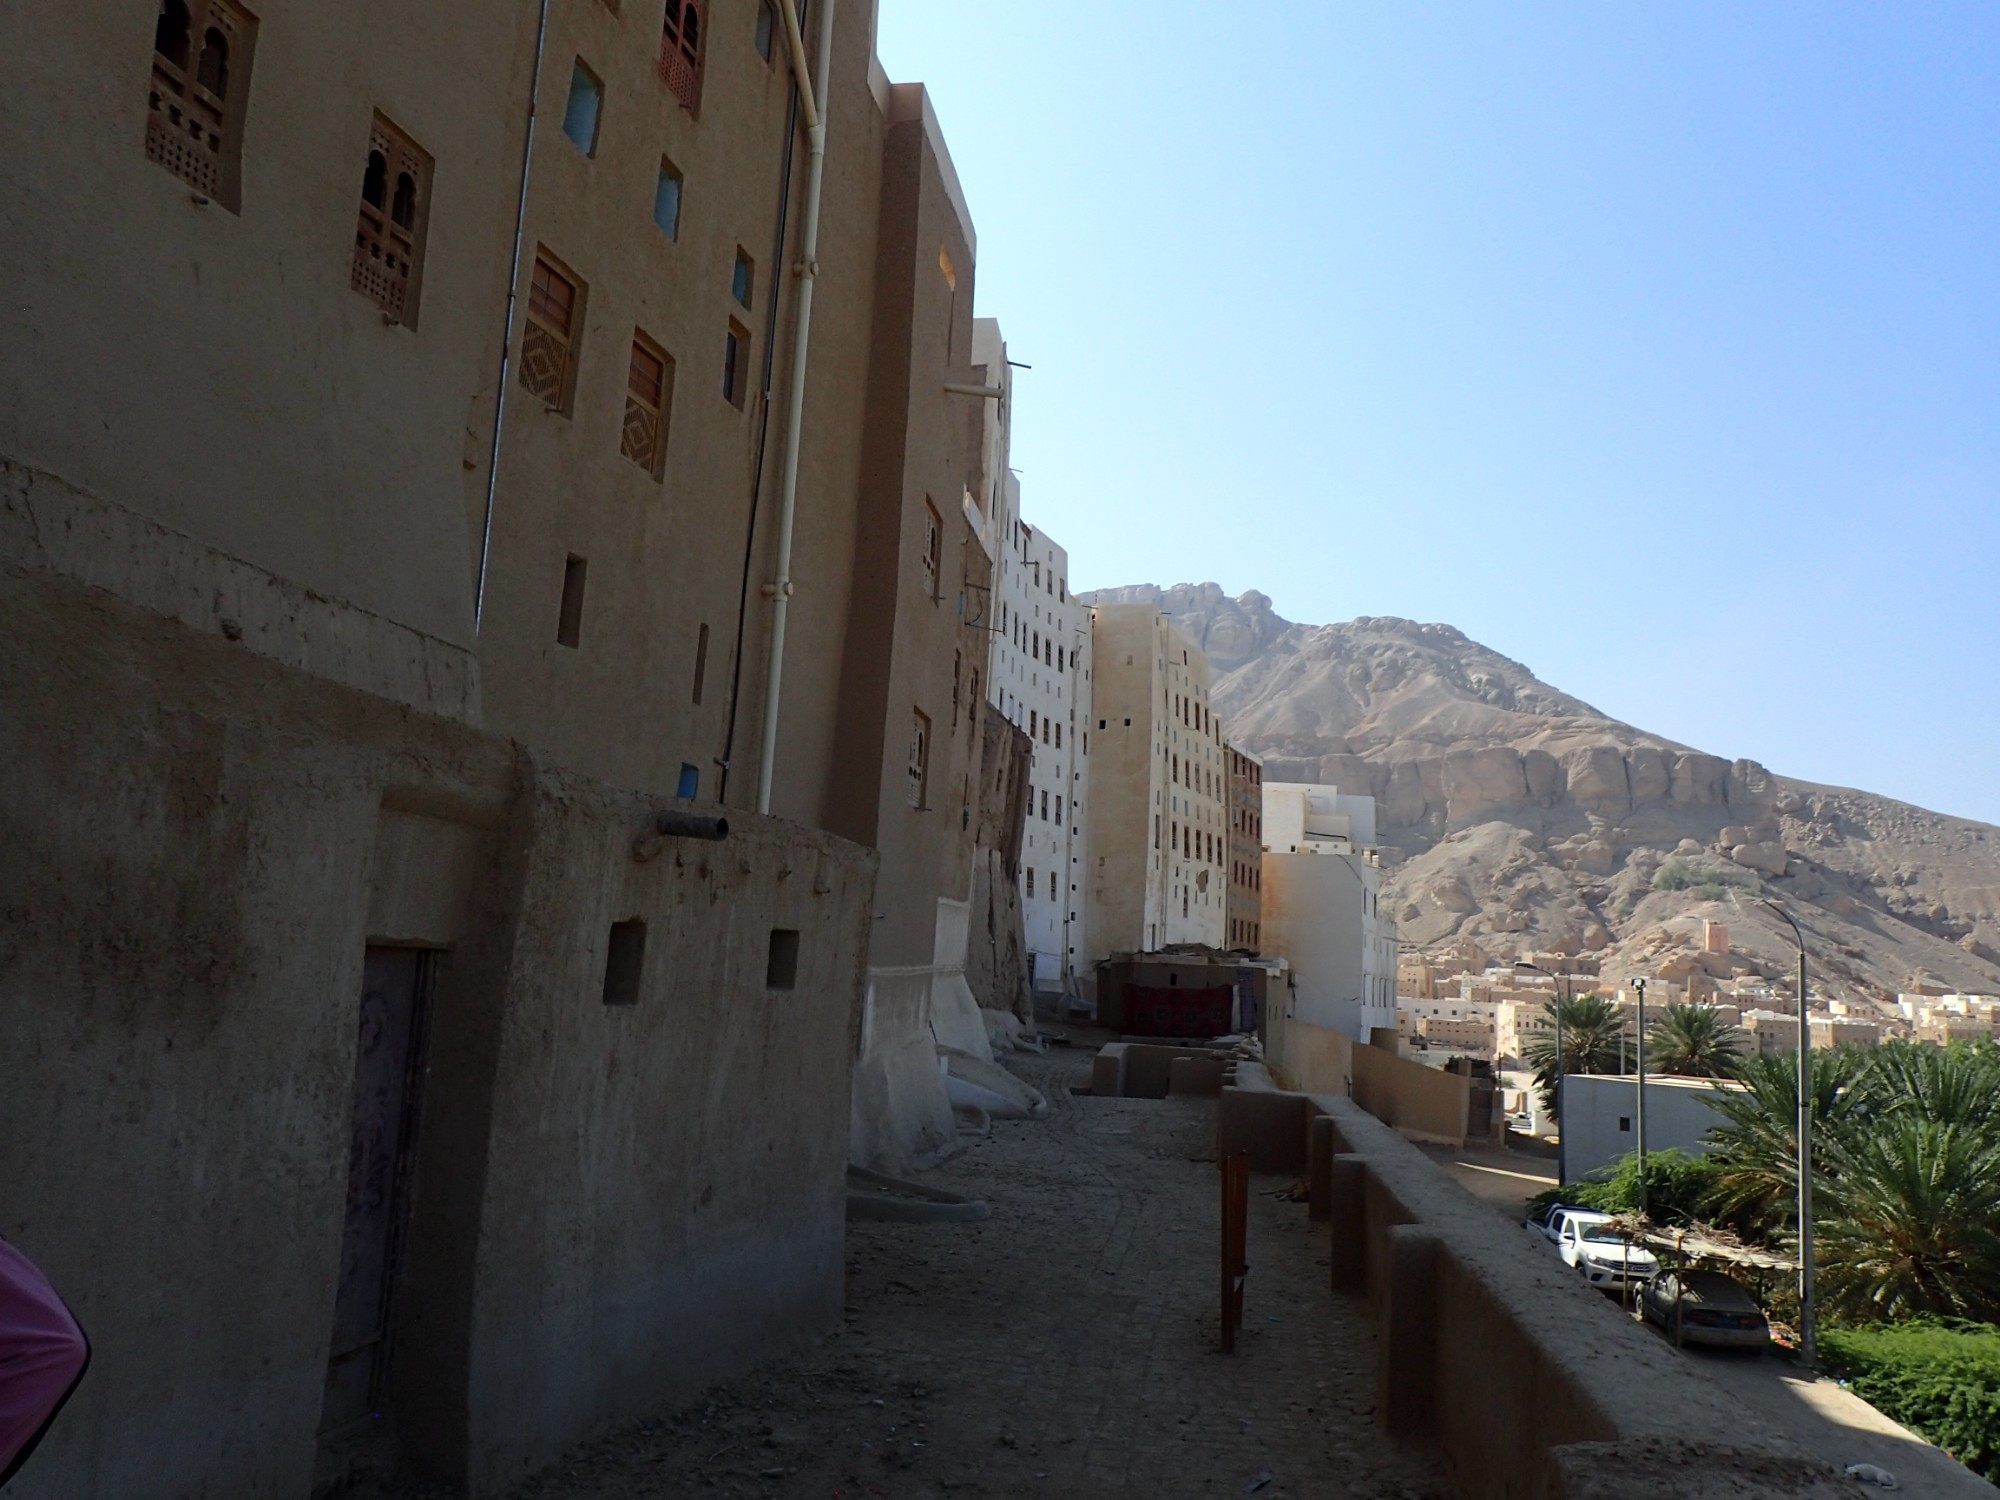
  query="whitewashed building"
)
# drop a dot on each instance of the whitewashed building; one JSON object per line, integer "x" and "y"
{"x": 1323, "y": 908}
{"x": 1038, "y": 676}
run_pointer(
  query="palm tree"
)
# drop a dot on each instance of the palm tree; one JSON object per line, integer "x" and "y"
{"x": 1592, "y": 1031}
{"x": 1757, "y": 1144}
{"x": 1908, "y": 1222}
{"x": 1693, "y": 1042}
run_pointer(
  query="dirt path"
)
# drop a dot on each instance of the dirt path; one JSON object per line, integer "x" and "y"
{"x": 1064, "y": 1347}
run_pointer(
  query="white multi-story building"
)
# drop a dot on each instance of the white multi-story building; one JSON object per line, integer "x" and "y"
{"x": 1323, "y": 908}
{"x": 1038, "y": 676}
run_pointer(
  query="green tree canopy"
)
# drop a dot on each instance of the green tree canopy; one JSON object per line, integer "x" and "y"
{"x": 1592, "y": 1031}
{"x": 1693, "y": 1041}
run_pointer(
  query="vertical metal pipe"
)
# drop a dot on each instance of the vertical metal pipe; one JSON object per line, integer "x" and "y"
{"x": 780, "y": 588}
{"x": 507, "y": 330}
{"x": 1808, "y": 1313}
{"x": 1639, "y": 1110}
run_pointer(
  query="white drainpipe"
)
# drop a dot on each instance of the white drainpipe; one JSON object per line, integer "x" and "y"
{"x": 812, "y": 96}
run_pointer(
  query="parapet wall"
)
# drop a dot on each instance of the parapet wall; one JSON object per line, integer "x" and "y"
{"x": 1531, "y": 1385}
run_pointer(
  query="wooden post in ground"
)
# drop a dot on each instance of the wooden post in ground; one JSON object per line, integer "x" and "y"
{"x": 1235, "y": 1243}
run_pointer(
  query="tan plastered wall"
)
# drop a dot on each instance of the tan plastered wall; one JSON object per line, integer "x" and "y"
{"x": 1125, "y": 781}
{"x": 666, "y": 556}
{"x": 911, "y": 646}
{"x": 611, "y": 1206}
{"x": 213, "y": 371}
{"x": 1314, "y": 1059}
{"x": 1425, "y": 1104}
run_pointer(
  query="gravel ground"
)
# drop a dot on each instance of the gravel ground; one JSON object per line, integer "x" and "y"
{"x": 1065, "y": 1346}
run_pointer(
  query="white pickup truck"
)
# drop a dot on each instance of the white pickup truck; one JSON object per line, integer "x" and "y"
{"x": 1585, "y": 1240}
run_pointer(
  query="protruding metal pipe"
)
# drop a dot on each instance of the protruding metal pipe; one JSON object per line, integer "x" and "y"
{"x": 679, "y": 825}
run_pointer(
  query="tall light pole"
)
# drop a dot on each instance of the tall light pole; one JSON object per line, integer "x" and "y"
{"x": 1562, "y": 1144}
{"x": 1808, "y": 1333}
{"x": 1639, "y": 1112}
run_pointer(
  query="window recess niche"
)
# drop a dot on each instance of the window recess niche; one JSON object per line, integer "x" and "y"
{"x": 198, "y": 93}
{"x": 394, "y": 216}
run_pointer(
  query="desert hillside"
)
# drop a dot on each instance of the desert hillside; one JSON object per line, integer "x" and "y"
{"x": 1517, "y": 815}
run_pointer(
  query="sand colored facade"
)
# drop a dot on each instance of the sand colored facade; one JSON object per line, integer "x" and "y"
{"x": 374, "y": 734}
{"x": 1159, "y": 792}
{"x": 1246, "y": 848}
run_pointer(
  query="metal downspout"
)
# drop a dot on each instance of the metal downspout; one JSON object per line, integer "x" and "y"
{"x": 779, "y": 590}
{"x": 727, "y": 760}
{"x": 507, "y": 331}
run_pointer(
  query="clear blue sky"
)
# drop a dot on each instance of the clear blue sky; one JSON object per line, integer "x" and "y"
{"x": 1654, "y": 345}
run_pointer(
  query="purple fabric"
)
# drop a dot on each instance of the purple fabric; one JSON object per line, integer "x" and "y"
{"x": 42, "y": 1356}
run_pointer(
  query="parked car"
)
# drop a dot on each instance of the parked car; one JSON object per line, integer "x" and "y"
{"x": 1588, "y": 1244}
{"x": 1546, "y": 1222}
{"x": 1713, "y": 1309}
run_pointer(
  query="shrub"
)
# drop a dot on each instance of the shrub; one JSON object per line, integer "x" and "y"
{"x": 1678, "y": 1187}
{"x": 1939, "y": 1379}
{"x": 1710, "y": 882}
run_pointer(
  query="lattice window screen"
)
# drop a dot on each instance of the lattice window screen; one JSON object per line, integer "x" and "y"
{"x": 648, "y": 387}
{"x": 680, "y": 52}
{"x": 201, "y": 77}
{"x": 548, "y": 339}
{"x": 389, "y": 239}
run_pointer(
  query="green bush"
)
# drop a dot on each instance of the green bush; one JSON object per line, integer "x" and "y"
{"x": 1938, "y": 1379}
{"x": 1678, "y": 1186}
{"x": 1711, "y": 883}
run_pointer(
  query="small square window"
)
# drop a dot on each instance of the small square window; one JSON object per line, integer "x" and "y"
{"x": 690, "y": 783}
{"x": 586, "y": 102}
{"x": 781, "y": 964}
{"x": 767, "y": 31}
{"x": 624, "y": 962}
{"x": 742, "y": 278}
{"x": 933, "y": 551}
{"x": 667, "y": 201}
{"x": 736, "y": 365}
{"x": 920, "y": 759}
{"x": 569, "y": 618}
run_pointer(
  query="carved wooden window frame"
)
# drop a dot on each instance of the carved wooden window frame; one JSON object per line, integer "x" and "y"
{"x": 198, "y": 95}
{"x": 393, "y": 223}
{"x": 649, "y": 399}
{"x": 552, "y": 332}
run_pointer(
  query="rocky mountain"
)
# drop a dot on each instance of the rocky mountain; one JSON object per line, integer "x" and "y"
{"x": 1523, "y": 818}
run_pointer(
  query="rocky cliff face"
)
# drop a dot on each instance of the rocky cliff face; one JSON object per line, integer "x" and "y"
{"x": 1522, "y": 817}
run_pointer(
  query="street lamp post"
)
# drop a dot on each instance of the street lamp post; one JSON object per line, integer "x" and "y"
{"x": 1639, "y": 1111}
{"x": 1808, "y": 1315}
{"x": 1562, "y": 1143}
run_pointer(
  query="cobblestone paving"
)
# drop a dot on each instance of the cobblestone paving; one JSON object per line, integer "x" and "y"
{"x": 1064, "y": 1347}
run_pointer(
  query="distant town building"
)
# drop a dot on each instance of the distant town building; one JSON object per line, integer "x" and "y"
{"x": 1157, "y": 808}
{"x": 1038, "y": 675}
{"x": 1246, "y": 847}
{"x": 1323, "y": 907}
